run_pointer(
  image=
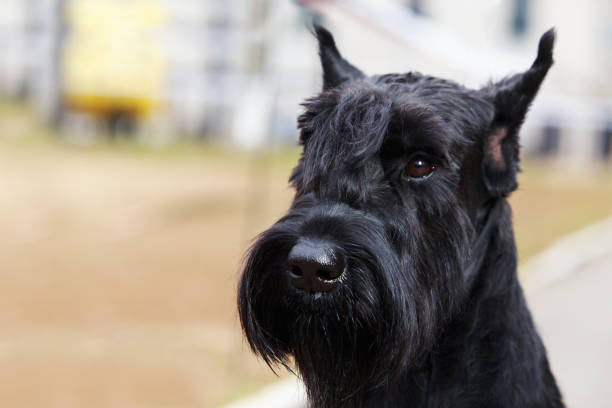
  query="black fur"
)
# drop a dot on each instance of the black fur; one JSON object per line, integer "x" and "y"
{"x": 429, "y": 312}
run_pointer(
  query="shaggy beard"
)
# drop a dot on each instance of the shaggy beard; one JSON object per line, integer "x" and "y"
{"x": 347, "y": 343}
{"x": 353, "y": 343}
{"x": 342, "y": 358}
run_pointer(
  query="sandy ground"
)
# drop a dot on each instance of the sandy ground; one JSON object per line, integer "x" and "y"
{"x": 118, "y": 278}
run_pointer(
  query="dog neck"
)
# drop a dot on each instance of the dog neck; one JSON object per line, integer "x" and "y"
{"x": 493, "y": 212}
{"x": 491, "y": 342}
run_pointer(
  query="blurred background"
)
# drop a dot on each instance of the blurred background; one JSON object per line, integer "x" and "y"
{"x": 144, "y": 143}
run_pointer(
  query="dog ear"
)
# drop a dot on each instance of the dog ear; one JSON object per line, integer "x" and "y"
{"x": 336, "y": 70}
{"x": 512, "y": 97}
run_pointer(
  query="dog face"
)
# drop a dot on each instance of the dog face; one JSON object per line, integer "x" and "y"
{"x": 359, "y": 278}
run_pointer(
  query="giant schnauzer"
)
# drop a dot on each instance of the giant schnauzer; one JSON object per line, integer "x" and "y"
{"x": 391, "y": 281}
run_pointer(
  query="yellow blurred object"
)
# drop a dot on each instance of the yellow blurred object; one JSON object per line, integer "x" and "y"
{"x": 112, "y": 60}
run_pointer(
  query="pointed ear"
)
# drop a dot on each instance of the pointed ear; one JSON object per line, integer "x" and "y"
{"x": 336, "y": 70}
{"x": 512, "y": 97}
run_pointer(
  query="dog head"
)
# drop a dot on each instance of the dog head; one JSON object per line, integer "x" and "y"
{"x": 396, "y": 179}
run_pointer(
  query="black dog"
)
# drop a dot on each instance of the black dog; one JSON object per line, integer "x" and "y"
{"x": 392, "y": 279}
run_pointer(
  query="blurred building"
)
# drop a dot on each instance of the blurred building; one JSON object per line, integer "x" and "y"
{"x": 30, "y": 37}
{"x": 184, "y": 66}
{"x": 237, "y": 69}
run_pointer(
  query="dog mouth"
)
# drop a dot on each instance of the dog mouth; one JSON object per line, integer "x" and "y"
{"x": 309, "y": 297}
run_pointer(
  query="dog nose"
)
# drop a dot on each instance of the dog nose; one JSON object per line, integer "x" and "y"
{"x": 315, "y": 266}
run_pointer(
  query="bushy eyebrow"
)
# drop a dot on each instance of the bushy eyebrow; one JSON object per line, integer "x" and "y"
{"x": 342, "y": 127}
{"x": 415, "y": 127}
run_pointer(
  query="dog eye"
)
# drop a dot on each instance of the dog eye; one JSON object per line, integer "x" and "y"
{"x": 419, "y": 167}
